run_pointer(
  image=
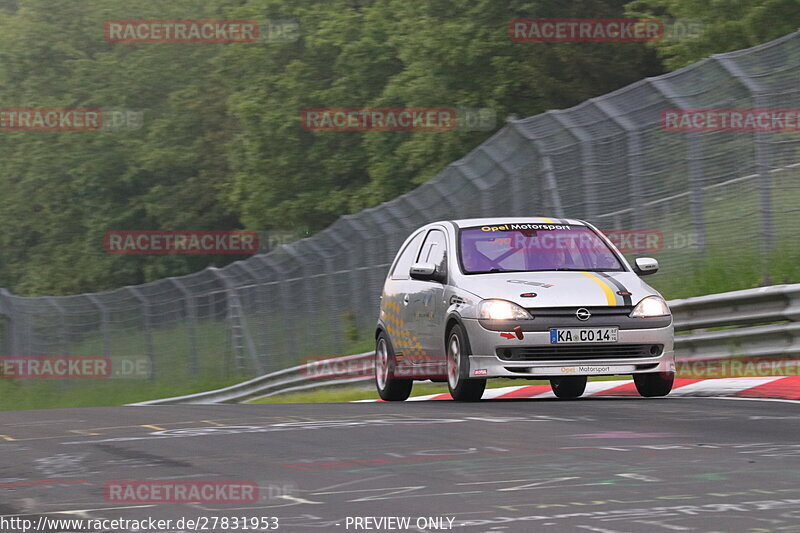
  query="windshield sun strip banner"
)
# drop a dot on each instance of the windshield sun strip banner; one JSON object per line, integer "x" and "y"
{"x": 547, "y": 224}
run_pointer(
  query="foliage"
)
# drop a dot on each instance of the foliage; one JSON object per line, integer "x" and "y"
{"x": 221, "y": 146}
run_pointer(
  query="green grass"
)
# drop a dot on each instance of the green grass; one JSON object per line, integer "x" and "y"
{"x": 173, "y": 376}
{"x": 16, "y": 395}
{"x": 719, "y": 272}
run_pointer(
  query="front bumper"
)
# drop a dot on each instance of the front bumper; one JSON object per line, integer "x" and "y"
{"x": 485, "y": 344}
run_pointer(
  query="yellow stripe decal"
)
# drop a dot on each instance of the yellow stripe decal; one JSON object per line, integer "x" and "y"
{"x": 548, "y": 220}
{"x": 610, "y": 297}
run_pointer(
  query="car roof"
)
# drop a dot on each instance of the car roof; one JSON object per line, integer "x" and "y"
{"x": 496, "y": 221}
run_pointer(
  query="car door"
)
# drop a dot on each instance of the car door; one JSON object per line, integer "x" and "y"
{"x": 395, "y": 302}
{"x": 427, "y": 299}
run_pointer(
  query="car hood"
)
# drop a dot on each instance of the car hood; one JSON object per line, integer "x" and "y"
{"x": 560, "y": 289}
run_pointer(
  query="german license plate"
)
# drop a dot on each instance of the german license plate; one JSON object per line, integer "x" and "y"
{"x": 582, "y": 335}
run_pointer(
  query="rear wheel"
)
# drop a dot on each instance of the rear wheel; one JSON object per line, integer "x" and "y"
{"x": 568, "y": 386}
{"x": 462, "y": 389}
{"x": 654, "y": 383}
{"x": 389, "y": 388}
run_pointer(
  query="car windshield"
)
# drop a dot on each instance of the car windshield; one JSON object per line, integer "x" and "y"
{"x": 533, "y": 247}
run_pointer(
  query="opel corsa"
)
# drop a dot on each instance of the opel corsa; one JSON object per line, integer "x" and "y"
{"x": 533, "y": 298}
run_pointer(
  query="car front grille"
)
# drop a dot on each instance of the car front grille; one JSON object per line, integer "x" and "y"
{"x": 567, "y": 352}
{"x": 569, "y": 312}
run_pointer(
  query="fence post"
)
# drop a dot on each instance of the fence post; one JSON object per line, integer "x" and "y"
{"x": 550, "y": 185}
{"x": 634, "y": 159}
{"x": 694, "y": 164}
{"x": 479, "y": 183}
{"x": 257, "y": 287}
{"x": 289, "y": 326}
{"x": 148, "y": 329}
{"x": 239, "y": 329}
{"x": 588, "y": 163}
{"x": 103, "y": 323}
{"x": 696, "y": 191}
{"x": 62, "y": 327}
{"x": 354, "y": 287}
{"x": 763, "y": 156}
{"x": 9, "y": 345}
{"x": 191, "y": 317}
{"x": 490, "y": 151}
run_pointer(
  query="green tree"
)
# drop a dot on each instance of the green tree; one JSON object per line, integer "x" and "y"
{"x": 725, "y": 25}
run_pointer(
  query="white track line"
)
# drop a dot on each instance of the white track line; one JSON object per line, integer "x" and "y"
{"x": 721, "y": 387}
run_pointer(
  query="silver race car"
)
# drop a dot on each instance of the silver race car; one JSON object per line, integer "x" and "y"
{"x": 535, "y": 298}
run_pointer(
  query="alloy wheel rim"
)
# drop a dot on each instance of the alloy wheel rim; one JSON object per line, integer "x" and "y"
{"x": 453, "y": 361}
{"x": 382, "y": 364}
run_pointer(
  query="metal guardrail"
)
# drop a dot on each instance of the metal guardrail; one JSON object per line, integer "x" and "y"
{"x": 771, "y": 314}
{"x": 738, "y": 308}
{"x": 311, "y": 375}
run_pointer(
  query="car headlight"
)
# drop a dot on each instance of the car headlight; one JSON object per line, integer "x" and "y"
{"x": 502, "y": 310}
{"x": 649, "y": 307}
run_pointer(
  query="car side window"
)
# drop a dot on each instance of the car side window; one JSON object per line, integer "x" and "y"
{"x": 434, "y": 250}
{"x": 406, "y": 258}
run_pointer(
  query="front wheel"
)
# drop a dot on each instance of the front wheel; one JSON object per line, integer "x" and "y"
{"x": 654, "y": 383}
{"x": 568, "y": 387}
{"x": 389, "y": 387}
{"x": 461, "y": 388}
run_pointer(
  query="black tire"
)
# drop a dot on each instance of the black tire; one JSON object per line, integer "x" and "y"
{"x": 462, "y": 387}
{"x": 390, "y": 388}
{"x": 654, "y": 383}
{"x": 568, "y": 387}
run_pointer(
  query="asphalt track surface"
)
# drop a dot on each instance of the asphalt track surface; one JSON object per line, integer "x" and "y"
{"x": 603, "y": 464}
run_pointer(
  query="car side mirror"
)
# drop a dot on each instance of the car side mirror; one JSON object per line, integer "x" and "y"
{"x": 645, "y": 266}
{"x": 425, "y": 272}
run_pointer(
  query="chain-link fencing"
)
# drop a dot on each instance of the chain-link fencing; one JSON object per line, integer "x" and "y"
{"x": 724, "y": 196}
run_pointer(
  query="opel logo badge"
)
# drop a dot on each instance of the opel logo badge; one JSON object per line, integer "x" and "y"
{"x": 583, "y": 314}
